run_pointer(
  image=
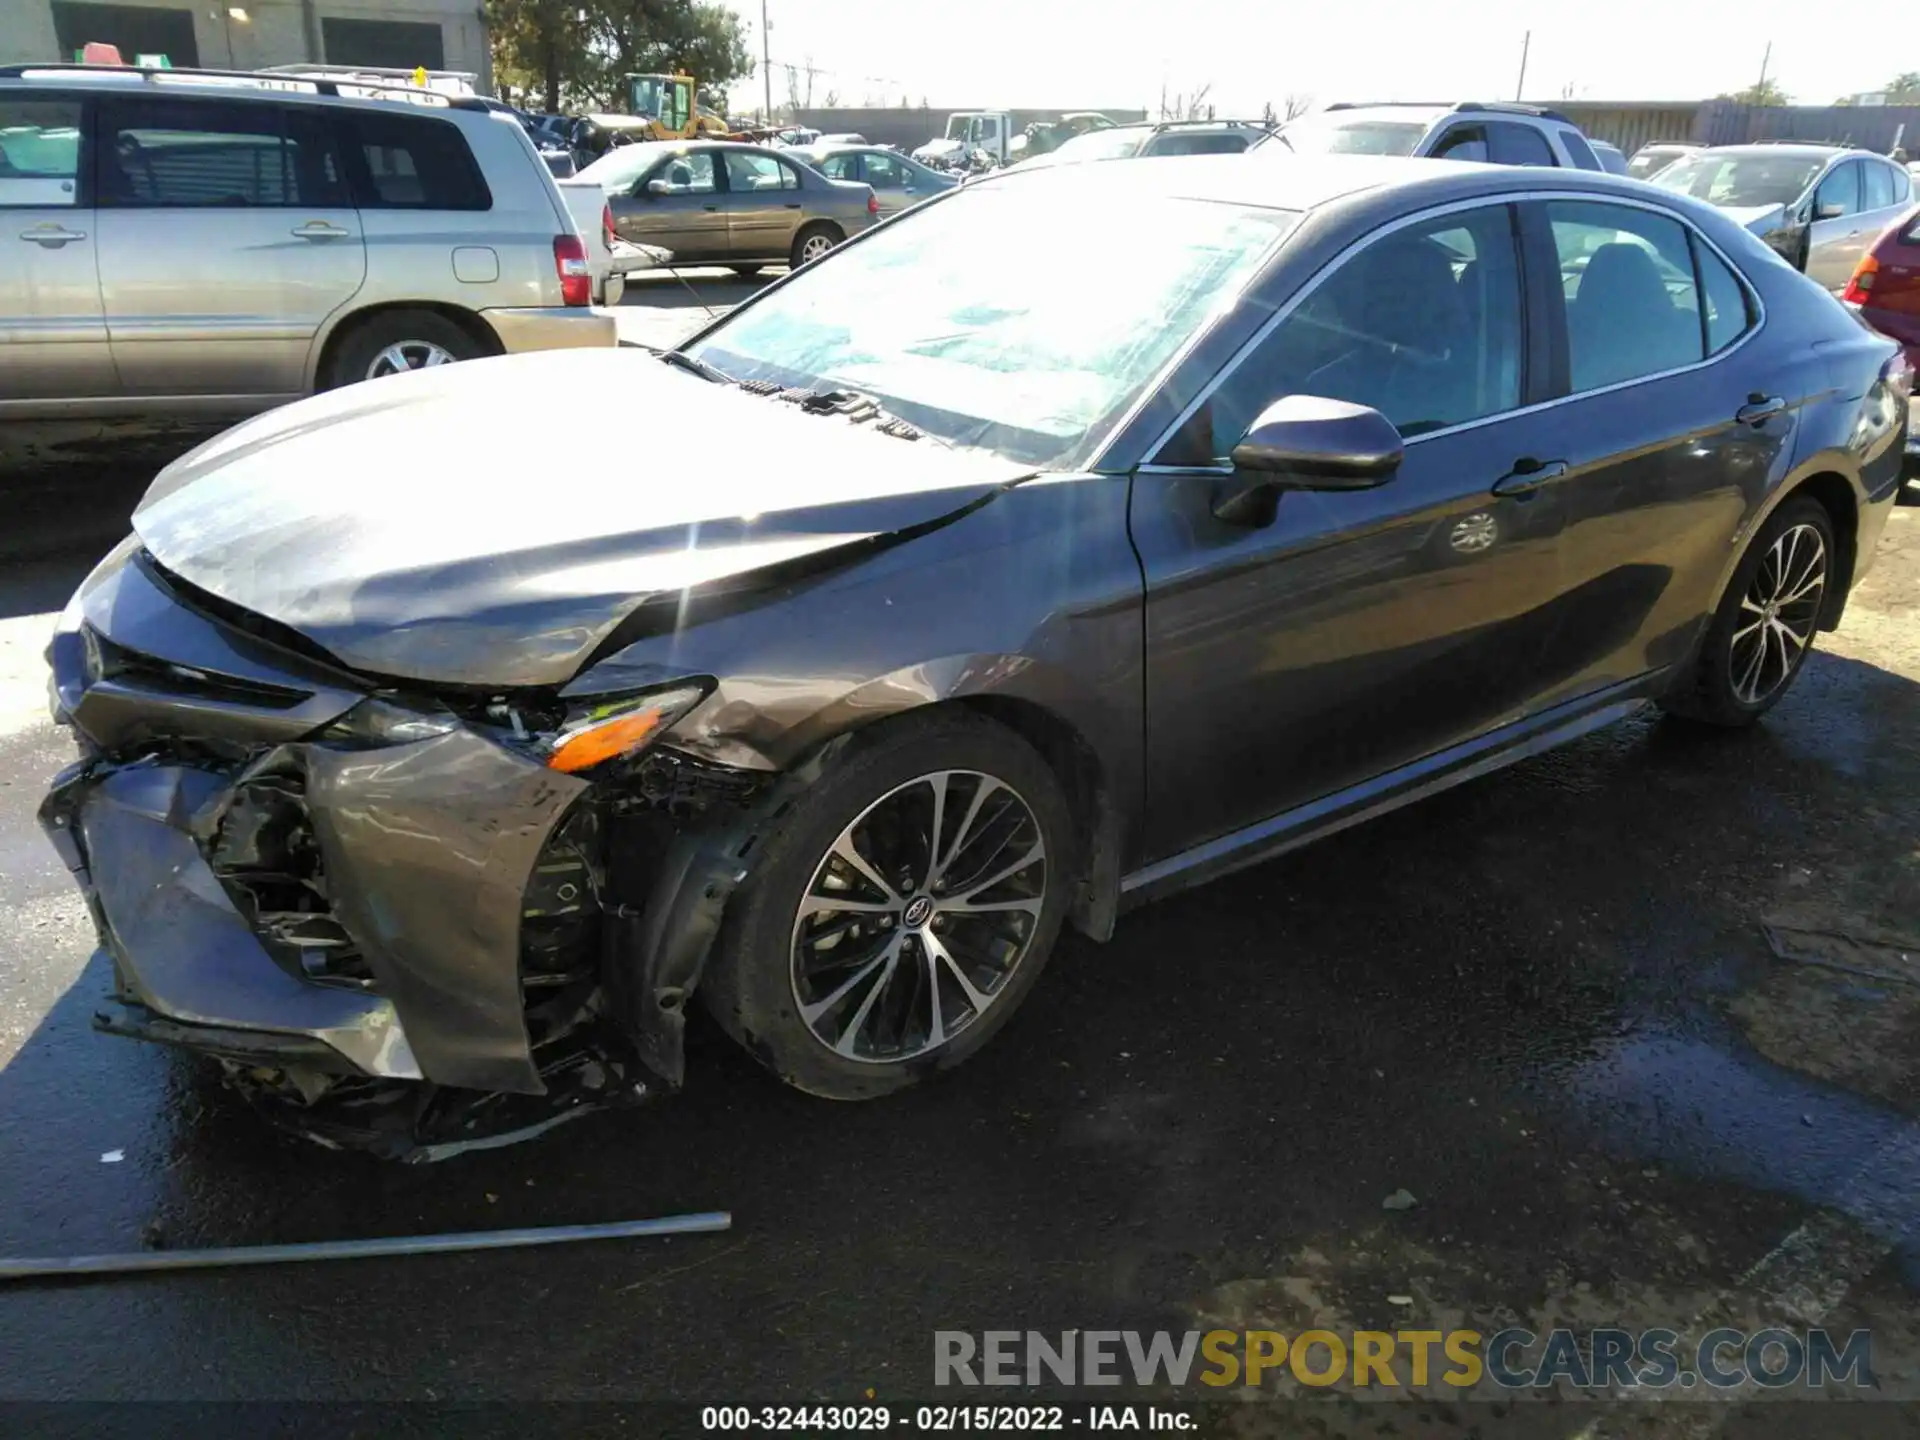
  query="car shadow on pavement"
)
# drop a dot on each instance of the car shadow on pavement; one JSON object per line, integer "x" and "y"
{"x": 1519, "y": 1000}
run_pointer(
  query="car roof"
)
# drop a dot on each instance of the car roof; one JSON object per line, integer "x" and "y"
{"x": 1287, "y": 181}
{"x": 1791, "y": 147}
{"x": 358, "y": 89}
{"x": 1408, "y": 114}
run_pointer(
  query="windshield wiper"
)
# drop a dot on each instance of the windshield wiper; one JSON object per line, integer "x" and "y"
{"x": 697, "y": 366}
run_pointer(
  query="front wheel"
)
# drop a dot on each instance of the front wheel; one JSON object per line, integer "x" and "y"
{"x": 1761, "y": 634}
{"x": 902, "y": 911}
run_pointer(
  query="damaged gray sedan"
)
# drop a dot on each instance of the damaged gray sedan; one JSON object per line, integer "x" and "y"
{"x": 434, "y": 759}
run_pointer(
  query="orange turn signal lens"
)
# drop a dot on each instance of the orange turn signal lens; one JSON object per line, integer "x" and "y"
{"x": 600, "y": 742}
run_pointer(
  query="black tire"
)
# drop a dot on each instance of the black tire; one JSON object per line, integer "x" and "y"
{"x": 751, "y": 981}
{"x": 412, "y": 330}
{"x": 1711, "y": 691}
{"x": 818, "y": 229}
{"x": 746, "y": 272}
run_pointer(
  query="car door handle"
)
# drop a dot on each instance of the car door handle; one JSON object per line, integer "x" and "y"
{"x": 709, "y": 208}
{"x": 1759, "y": 409}
{"x": 793, "y": 204}
{"x": 52, "y": 236}
{"x": 320, "y": 230}
{"x": 1528, "y": 475}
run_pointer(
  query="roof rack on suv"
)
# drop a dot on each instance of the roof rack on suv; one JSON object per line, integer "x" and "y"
{"x": 261, "y": 79}
{"x": 1506, "y": 107}
{"x": 1816, "y": 144}
{"x": 1224, "y": 122}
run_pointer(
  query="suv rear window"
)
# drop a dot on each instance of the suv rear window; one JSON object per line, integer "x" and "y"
{"x": 409, "y": 162}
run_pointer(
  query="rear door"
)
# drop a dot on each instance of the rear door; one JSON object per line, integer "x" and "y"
{"x": 893, "y": 184}
{"x": 678, "y": 204}
{"x": 53, "y": 333}
{"x": 1670, "y": 428}
{"x": 1886, "y": 194}
{"x": 763, "y": 204}
{"x": 227, "y": 237}
{"x": 1837, "y": 238}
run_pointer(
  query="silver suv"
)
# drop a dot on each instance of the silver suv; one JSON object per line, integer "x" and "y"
{"x": 189, "y": 243}
{"x": 1491, "y": 133}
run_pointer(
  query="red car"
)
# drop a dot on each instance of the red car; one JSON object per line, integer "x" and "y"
{"x": 1885, "y": 289}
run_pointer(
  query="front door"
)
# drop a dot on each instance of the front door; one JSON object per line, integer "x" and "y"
{"x": 1839, "y": 236}
{"x": 1357, "y": 631}
{"x": 53, "y": 336}
{"x": 1659, "y": 471}
{"x": 227, "y": 237}
{"x": 677, "y": 204}
{"x": 764, "y": 205}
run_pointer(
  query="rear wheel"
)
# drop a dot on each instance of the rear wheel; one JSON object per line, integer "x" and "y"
{"x": 1760, "y": 636}
{"x": 398, "y": 341}
{"x": 815, "y": 240}
{"x": 901, "y": 912}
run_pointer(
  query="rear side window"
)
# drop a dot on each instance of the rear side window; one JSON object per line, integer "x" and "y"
{"x": 410, "y": 162}
{"x": 197, "y": 154}
{"x": 1512, "y": 144}
{"x": 1879, "y": 192}
{"x": 748, "y": 172}
{"x": 1633, "y": 306}
{"x": 1727, "y": 316}
{"x": 1582, "y": 153}
{"x": 39, "y": 151}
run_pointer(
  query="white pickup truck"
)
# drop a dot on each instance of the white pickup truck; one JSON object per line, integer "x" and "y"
{"x": 610, "y": 258}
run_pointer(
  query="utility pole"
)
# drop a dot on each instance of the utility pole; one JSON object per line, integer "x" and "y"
{"x": 1760, "y": 90}
{"x": 1526, "y": 44}
{"x": 766, "y": 64}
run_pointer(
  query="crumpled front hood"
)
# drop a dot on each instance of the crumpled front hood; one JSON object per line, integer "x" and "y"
{"x": 490, "y": 523}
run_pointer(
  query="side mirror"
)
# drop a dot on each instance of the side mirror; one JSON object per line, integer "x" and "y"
{"x": 656, "y": 187}
{"x": 1833, "y": 210}
{"x": 1307, "y": 442}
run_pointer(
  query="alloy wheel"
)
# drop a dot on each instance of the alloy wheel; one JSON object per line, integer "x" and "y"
{"x": 918, "y": 915}
{"x": 404, "y": 355}
{"x": 814, "y": 247}
{"x": 1778, "y": 614}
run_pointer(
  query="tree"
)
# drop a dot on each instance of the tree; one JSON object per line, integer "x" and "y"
{"x": 1296, "y": 105}
{"x": 1767, "y": 92}
{"x": 579, "y": 49}
{"x": 1904, "y": 89}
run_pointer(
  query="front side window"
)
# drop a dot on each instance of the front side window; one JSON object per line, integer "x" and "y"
{"x": 883, "y": 172}
{"x": 415, "y": 163}
{"x": 185, "y": 154}
{"x": 1463, "y": 142}
{"x": 948, "y": 326}
{"x": 1839, "y": 193}
{"x": 1632, "y": 306}
{"x": 39, "y": 151}
{"x": 1513, "y": 144}
{"x": 748, "y": 173}
{"x": 1424, "y": 325}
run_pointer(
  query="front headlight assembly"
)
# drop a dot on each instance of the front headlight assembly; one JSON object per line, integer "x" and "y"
{"x": 609, "y": 729}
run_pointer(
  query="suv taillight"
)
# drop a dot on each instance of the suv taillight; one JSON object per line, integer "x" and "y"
{"x": 570, "y": 264}
{"x": 606, "y": 225}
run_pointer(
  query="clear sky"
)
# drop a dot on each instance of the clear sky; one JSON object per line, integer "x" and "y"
{"x": 1087, "y": 53}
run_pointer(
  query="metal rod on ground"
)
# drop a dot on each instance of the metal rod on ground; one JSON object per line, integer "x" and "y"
{"x": 26, "y": 1269}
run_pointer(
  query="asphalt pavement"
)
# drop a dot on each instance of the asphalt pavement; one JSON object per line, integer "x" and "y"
{"x": 1543, "y": 1005}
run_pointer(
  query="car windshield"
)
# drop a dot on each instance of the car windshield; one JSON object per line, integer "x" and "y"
{"x": 621, "y": 166}
{"x": 1330, "y": 135}
{"x": 1741, "y": 180}
{"x": 1102, "y": 145}
{"x": 947, "y": 325}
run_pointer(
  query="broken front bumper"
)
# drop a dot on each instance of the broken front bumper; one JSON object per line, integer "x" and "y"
{"x": 273, "y": 888}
